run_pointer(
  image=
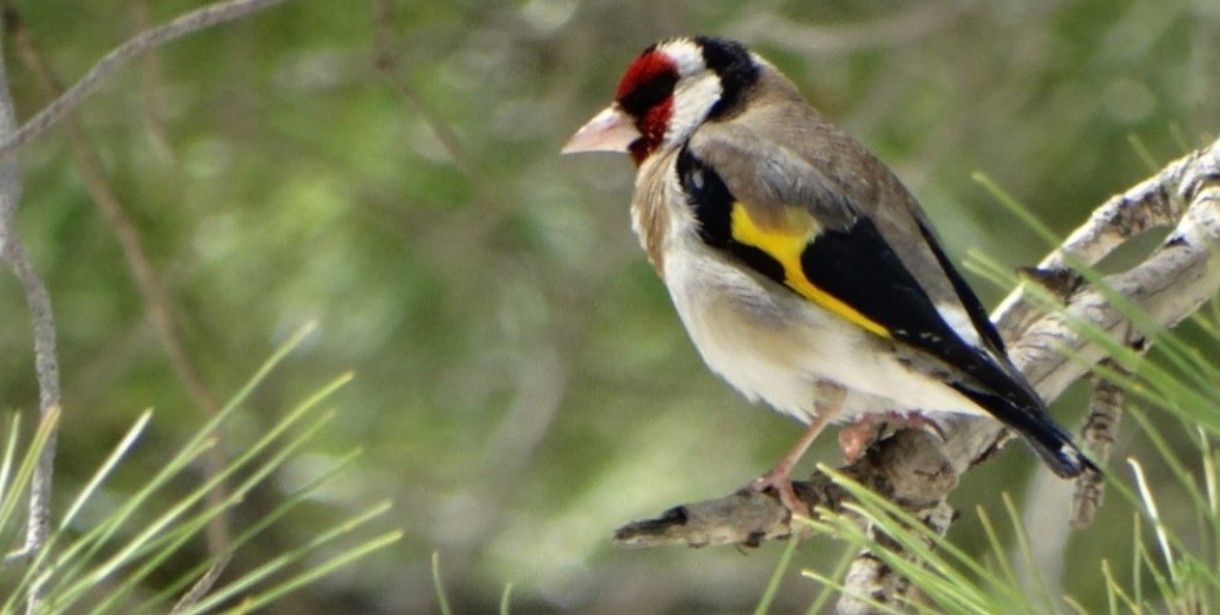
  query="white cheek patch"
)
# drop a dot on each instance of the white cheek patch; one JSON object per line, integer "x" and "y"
{"x": 686, "y": 55}
{"x": 693, "y": 100}
{"x": 697, "y": 91}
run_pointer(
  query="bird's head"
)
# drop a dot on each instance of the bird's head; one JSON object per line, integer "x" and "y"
{"x": 666, "y": 93}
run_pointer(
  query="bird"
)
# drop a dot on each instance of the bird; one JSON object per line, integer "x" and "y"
{"x": 805, "y": 273}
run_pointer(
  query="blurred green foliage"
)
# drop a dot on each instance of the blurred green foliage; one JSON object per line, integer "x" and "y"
{"x": 522, "y": 383}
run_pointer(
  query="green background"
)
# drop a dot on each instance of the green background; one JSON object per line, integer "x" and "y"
{"x": 523, "y": 385}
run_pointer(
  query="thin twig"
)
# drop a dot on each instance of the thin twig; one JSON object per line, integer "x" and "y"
{"x": 46, "y": 364}
{"x": 387, "y": 64}
{"x": 116, "y": 59}
{"x": 153, "y": 80}
{"x": 151, "y": 290}
{"x": 476, "y": 222}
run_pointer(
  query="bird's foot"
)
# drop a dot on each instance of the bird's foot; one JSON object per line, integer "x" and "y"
{"x": 855, "y": 438}
{"x": 778, "y": 483}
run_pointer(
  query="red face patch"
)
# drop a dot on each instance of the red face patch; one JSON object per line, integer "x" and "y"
{"x": 650, "y": 64}
{"x": 652, "y": 126}
{"x": 646, "y": 93}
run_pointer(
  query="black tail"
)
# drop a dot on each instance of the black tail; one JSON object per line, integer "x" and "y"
{"x": 1030, "y": 419}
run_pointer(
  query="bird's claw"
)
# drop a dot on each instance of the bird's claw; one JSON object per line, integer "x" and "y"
{"x": 778, "y": 484}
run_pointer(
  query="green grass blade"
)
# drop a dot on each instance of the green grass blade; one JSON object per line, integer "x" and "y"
{"x": 505, "y": 599}
{"x": 72, "y": 561}
{"x": 254, "y": 576}
{"x": 829, "y": 590}
{"x": 1044, "y": 232}
{"x": 301, "y": 580}
{"x": 1141, "y": 150}
{"x": 200, "y": 493}
{"x": 10, "y": 453}
{"x": 1154, "y": 515}
{"x": 25, "y": 471}
{"x": 260, "y": 374}
{"x": 148, "y": 541}
{"x": 106, "y": 468}
{"x": 1116, "y": 591}
{"x": 251, "y": 532}
{"x": 438, "y": 585}
{"x": 1027, "y": 555}
{"x": 841, "y": 588}
{"x": 87, "y": 548}
{"x": 777, "y": 576}
{"x": 993, "y": 540}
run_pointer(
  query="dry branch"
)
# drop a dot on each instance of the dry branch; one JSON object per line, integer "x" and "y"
{"x": 152, "y": 291}
{"x": 1097, "y": 436}
{"x": 1054, "y": 350}
{"x": 194, "y": 21}
{"x": 46, "y": 362}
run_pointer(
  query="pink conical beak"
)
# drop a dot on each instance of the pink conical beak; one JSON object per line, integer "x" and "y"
{"x": 612, "y": 130}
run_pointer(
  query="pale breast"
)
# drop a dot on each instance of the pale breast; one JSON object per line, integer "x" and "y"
{"x": 773, "y": 345}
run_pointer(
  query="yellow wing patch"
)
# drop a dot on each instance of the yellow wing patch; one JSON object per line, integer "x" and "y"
{"x": 785, "y": 240}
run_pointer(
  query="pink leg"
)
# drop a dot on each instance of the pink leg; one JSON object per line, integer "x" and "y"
{"x": 779, "y": 478}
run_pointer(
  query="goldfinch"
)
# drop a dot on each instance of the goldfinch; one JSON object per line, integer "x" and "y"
{"x": 803, "y": 270}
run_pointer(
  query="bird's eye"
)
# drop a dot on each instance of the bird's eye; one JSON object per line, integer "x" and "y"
{"x": 649, "y": 94}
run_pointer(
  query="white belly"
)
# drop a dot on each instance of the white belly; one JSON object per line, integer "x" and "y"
{"x": 778, "y": 346}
